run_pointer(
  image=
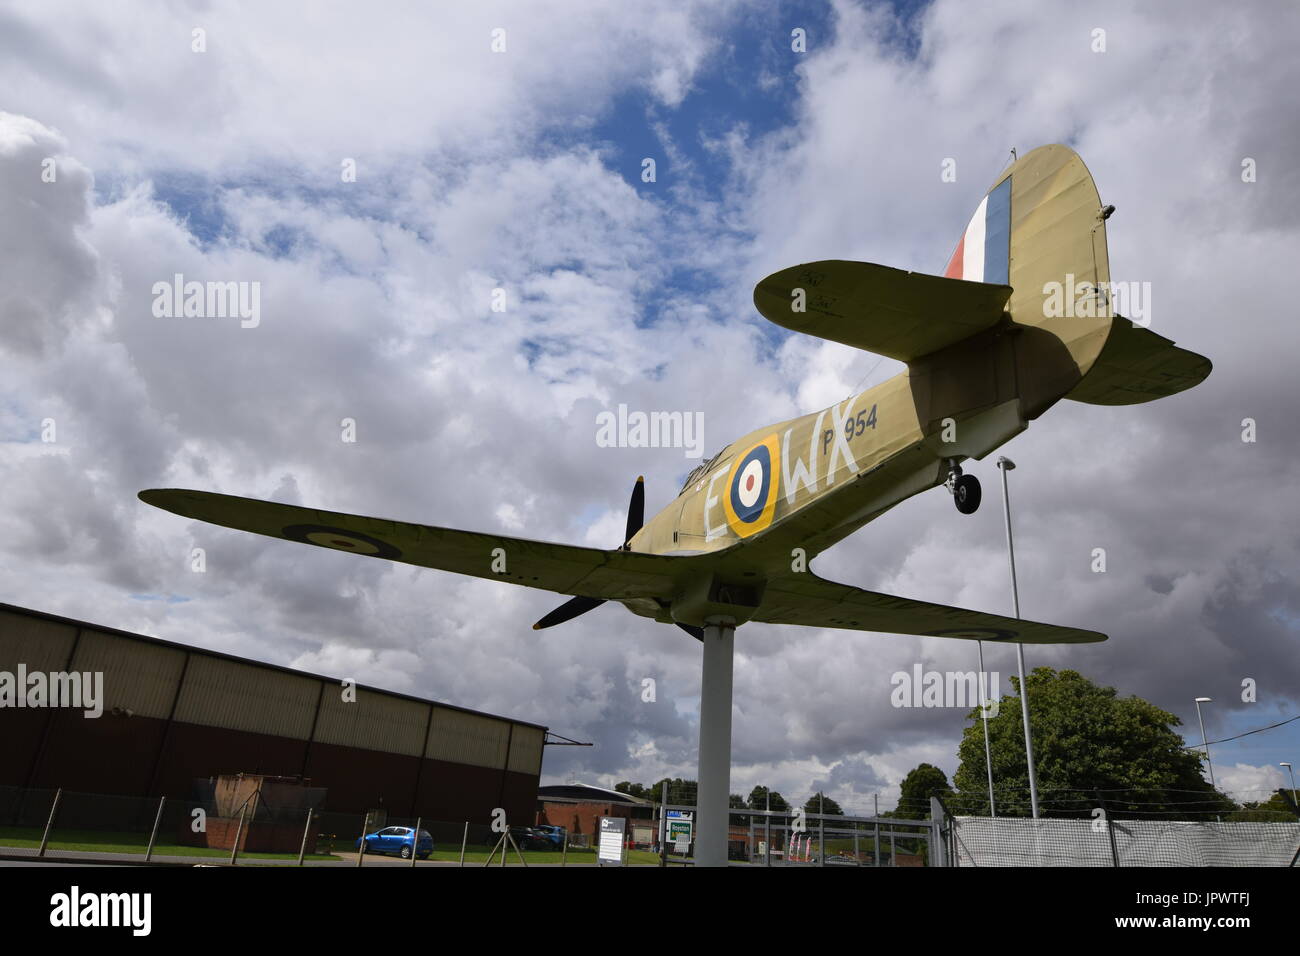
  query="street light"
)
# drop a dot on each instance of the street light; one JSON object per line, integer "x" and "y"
{"x": 1004, "y": 466}
{"x": 1292, "y": 772}
{"x": 1205, "y": 739}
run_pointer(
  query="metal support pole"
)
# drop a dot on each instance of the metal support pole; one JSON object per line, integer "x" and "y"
{"x": 1005, "y": 465}
{"x": 306, "y": 831}
{"x": 415, "y": 843}
{"x": 361, "y": 848}
{"x": 663, "y": 842}
{"x": 821, "y": 829}
{"x": 464, "y": 837}
{"x": 712, "y": 803}
{"x": 239, "y": 833}
{"x": 564, "y": 849}
{"x": 1205, "y": 739}
{"x": 984, "y": 718}
{"x": 767, "y": 828}
{"x": 153, "y": 835}
{"x": 877, "y": 844}
{"x": 937, "y": 855}
{"x": 49, "y": 823}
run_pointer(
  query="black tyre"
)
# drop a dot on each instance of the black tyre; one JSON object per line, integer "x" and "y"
{"x": 966, "y": 494}
{"x": 406, "y": 853}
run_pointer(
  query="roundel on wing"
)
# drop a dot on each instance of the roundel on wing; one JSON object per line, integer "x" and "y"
{"x": 341, "y": 539}
{"x": 752, "y": 488}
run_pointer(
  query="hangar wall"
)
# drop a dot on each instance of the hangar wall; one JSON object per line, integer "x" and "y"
{"x": 174, "y": 713}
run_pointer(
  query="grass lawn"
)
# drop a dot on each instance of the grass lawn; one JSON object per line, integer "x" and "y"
{"x": 109, "y": 841}
{"x": 477, "y": 855}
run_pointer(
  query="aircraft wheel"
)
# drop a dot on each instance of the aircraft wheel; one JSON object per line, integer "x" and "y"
{"x": 966, "y": 494}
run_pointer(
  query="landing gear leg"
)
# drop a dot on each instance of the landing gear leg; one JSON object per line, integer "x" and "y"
{"x": 965, "y": 489}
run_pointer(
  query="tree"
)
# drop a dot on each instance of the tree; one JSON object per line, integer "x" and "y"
{"x": 820, "y": 803}
{"x": 918, "y": 786}
{"x": 679, "y": 791}
{"x": 759, "y": 796}
{"x": 631, "y": 789}
{"x": 1087, "y": 741}
{"x": 1280, "y": 807}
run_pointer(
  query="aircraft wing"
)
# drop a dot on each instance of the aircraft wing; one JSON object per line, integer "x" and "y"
{"x": 566, "y": 569}
{"x": 804, "y": 598}
{"x": 892, "y": 312}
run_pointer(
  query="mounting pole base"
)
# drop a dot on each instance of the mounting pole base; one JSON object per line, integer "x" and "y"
{"x": 713, "y": 800}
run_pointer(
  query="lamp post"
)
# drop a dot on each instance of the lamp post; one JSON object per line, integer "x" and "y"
{"x": 1205, "y": 739}
{"x": 1005, "y": 465}
{"x": 1292, "y": 772}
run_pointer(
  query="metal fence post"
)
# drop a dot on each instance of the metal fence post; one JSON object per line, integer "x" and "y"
{"x": 306, "y": 830}
{"x": 564, "y": 849}
{"x": 463, "y": 839}
{"x": 415, "y": 845}
{"x": 935, "y": 855}
{"x": 821, "y": 833}
{"x": 361, "y": 847}
{"x": 1110, "y": 828}
{"x": 49, "y": 824}
{"x": 239, "y": 832}
{"x": 877, "y": 843}
{"x": 153, "y": 836}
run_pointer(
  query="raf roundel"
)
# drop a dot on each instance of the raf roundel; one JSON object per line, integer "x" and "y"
{"x": 341, "y": 539}
{"x": 750, "y": 501}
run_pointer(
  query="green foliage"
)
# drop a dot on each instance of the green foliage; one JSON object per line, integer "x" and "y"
{"x": 918, "y": 786}
{"x": 1280, "y": 807}
{"x": 819, "y": 803}
{"x": 759, "y": 795}
{"x": 1086, "y": 739}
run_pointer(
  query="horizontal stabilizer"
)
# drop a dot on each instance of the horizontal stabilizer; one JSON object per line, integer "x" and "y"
{"x": 1137, "y": 365}
{"x": 892, "y": 312}
{"x": 806, "y": 599}
{"x": 563, "y": 568}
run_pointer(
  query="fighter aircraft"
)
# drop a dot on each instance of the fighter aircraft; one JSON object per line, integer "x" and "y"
{"x": 990, "y": 345}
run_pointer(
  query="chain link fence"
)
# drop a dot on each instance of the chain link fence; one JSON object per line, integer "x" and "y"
{"x": 1114, "y": 828}
{"x": 96, "y": 827}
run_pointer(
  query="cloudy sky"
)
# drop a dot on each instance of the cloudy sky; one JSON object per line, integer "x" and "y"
{"x": 521, "y": 170}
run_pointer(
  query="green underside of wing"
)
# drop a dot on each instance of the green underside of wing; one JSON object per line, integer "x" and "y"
{"x": 566, "y": 569}
{"x": 811, "y": 601}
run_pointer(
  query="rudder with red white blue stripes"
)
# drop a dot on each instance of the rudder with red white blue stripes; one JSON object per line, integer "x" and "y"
{"x": 983, "y": 253}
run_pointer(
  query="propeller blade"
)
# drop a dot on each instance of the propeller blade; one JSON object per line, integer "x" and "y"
{"x": 635, "y": 510}
{"x": 568, "y": 610}
{"x": 691, "y": 629}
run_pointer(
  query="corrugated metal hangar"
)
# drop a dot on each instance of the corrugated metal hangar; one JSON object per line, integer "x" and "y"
{"x": 173, "y": 714}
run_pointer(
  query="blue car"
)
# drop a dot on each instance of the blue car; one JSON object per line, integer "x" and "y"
{"x": 399, "y": 840}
